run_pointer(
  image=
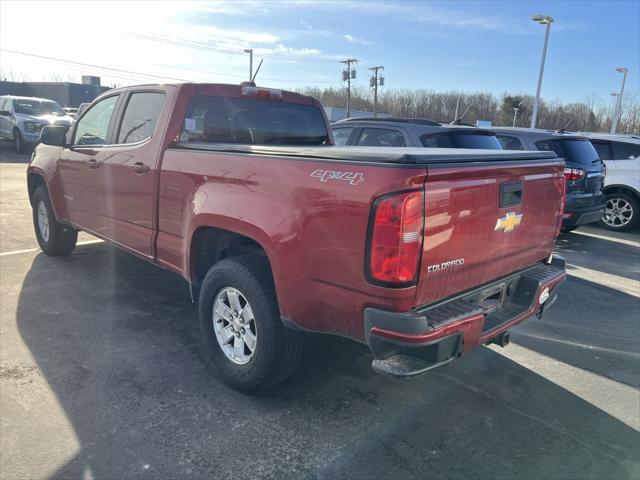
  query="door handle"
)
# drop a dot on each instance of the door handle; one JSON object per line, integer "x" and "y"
{"x": 140, "y": 167}
{"x": 93, "y": 163}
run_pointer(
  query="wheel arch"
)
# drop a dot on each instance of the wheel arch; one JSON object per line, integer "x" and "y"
{"x": 210, "y": 244}
{"x": 621, "y": 188}
{"x": 34, "y": 180}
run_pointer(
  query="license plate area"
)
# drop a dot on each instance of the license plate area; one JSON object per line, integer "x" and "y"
{"x": 494, "y": 297}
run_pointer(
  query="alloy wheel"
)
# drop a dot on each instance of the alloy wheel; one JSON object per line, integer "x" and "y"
{"x": 234, "y": 325}
{"x": 617, "y": 212}
{"x": 43, "y": 221}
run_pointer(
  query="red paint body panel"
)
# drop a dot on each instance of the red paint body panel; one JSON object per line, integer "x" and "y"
{"x": 313, "y": 232}
{"x": 461, "y": 210}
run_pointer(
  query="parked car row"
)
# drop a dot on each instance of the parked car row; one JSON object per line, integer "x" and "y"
{"x": 591, "y": 196}
{"x": 602, "y": 171}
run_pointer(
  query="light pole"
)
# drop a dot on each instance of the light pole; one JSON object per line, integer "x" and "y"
{"x": 618, "y": 110}
{"x": 515, "y": 115}
{"x": 250, "y": 52}
{"x": 616, "y": 96}
{"x": 542, "y": 20}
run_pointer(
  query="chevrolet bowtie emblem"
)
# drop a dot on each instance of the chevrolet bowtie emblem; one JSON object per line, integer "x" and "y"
{"x": 509, "y": 222}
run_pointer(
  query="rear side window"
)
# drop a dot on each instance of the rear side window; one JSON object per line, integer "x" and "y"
{"x": 341, "y": 135}
{"x": 250, "y": 121}
{"x": 140, "y": 117}
{"x": 510, "y": 143}
{"x": 623, "y": 150}
{"x": 465, "y": 139}
{"x": 381, "y": 137}
{"x": 603, "y": 149}
{"x": 578, "y": 151}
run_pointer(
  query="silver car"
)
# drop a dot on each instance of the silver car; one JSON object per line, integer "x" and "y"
{"x": 22, "y": 119}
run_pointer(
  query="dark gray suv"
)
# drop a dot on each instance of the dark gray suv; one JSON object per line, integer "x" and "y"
{"x": 411, "y": 132}
{"x": 584, "y": 172}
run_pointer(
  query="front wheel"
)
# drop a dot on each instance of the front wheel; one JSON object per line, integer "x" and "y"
{"x": 621, "y": 211}
{"x": 54, "y": 238}
{"x": 18, "y": 142}
{"x": 241, "y": 327}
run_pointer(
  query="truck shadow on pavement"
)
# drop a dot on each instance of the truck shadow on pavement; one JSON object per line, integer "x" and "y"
{"x": 602, "y": 255}
{"x": 117, "y": 340}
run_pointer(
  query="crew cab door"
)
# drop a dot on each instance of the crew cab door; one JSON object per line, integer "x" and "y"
{"x": 129, "y": 171}
{"x": 80, "y": 163}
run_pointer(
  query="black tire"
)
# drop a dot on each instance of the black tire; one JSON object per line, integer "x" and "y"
{"x": 18, "y": 141}
{"x": 568, "y": 229}
{"x": 632, "y": 201}
{"x": 61, "y": 239}
{"x": 278, "y": 349}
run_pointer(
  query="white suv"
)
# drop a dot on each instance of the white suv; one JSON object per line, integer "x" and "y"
{"x": 621, "y": 155}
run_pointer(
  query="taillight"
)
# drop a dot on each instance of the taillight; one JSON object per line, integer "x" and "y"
{"x": 574, "y": 173}
{"x": 395, "y": 241}
{"x": 563, "y": 200}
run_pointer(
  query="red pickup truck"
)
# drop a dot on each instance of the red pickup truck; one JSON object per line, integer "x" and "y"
{"x": 422, "y": 254}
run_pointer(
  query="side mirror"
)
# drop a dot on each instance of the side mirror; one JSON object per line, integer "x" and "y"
{"x": 55, "y": 135}
{"x": 5, "y": 113}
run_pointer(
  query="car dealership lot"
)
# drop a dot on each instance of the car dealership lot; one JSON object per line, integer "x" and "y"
{"x": 101, "y": 375}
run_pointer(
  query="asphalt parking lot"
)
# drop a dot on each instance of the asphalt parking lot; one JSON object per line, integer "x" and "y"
{"x": 101, "y": 376}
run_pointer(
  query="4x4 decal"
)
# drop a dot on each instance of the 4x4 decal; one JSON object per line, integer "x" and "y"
{"x": 354, "y": 178}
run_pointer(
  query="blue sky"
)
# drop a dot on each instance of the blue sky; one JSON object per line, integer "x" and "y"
{"x": 456, "y": 45}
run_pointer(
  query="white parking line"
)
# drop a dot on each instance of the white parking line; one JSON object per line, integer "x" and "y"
{"x": 31, "y": 250}
{"x": 616, "y": 282}
{"x": 610, "y": 238}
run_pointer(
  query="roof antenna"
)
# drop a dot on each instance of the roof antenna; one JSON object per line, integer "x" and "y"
{"x": 458, "y": 120}
{"x": 253, "y": 80}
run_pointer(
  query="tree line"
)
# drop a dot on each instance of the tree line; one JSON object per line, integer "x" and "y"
{"x": 591, "y": 115}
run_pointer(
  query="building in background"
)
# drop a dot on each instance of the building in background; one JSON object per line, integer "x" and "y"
{"x": 65, "y": 93}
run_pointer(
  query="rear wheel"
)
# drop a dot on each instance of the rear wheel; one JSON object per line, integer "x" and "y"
{"x": 241, "y": 328}
{"x": 621, "y": 211}
{"x": 54, "y": 238}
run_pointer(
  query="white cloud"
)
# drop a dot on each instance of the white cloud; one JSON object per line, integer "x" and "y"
{"x": 352, "y": 39}
{"x": 306, "y": 25}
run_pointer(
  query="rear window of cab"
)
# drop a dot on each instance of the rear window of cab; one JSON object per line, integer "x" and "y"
{"x": 215, "y": 119}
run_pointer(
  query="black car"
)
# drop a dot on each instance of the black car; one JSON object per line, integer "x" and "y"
{"x": 584, "y": 172}
{"x": 411, "y": 132}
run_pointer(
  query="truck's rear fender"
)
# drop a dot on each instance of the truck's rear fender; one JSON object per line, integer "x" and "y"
{"x": 208, "y": 244}
{"x": 310, "y": 221}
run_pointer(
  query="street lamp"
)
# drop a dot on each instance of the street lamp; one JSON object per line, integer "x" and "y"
{"x": 515, "y": 115}
{"x": 542, "y": 20}
{"x": 250, "y": 52}
{"x": 618, "y": 109}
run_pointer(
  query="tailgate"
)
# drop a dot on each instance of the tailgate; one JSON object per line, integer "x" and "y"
{"x": 476, "y": 227}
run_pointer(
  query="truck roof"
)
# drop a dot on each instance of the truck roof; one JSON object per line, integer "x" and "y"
{"x": 403, "y": 155}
